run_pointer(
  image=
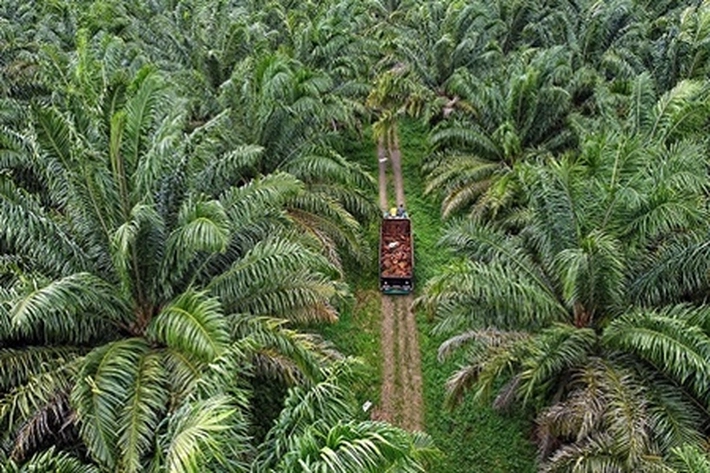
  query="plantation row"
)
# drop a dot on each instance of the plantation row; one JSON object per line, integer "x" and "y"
{"x": 179, "y": 213}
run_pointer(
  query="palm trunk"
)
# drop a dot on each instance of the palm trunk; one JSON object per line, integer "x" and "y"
{"x": 382, "y": 164}
{"x": 396, "y": 155}
{"x": 582, "y": 318}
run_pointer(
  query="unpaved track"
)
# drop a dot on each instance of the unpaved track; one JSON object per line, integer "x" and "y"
{"x": 387, "y": 338}
{"x": 401, "y": 401}
{"x": 401, "y": 397}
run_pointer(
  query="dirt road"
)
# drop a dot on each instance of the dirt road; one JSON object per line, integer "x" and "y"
{"x": 401, "y": 396}
{"x": 401, "y": 401}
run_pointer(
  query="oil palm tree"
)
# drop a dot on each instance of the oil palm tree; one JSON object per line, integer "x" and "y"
{"x": 320, "y": 429}
{"x": 396, "y": 93}
{"x": 573, "y": 313}
{"x": 680, "y": 49}
{"x": 143, "y": 290}
{"x": 439, "y": 38}
{"x": 291, "y": 115}
{"x": 199, "y": 44}
{"x": 521, "y": 115}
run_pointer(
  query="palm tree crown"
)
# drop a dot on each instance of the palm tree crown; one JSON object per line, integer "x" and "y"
{"x": 137, "y": 275}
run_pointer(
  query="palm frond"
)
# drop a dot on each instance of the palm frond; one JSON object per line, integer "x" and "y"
{"x": 165, "y": 142}
{"x": 141, "y": 113}
{"x": 182, "y": 373}
{"x": 367, "y": 447}
{"x": 670, "y": 341}
{"x": 554, "y": 352}
{"x": 51, "y": 461}
{"x": 487, "y": 367}
{"x": 690, "y": 459}
{"x": 291, "y": 355}
{"x": 330, "y": 223}
{"x": 102, "y": 389}
{"x": 476, "y": 295}
{"x": 17, "y": 366}
{"x": 28, "y": 228}
{"x": 234, "y": 165}
{"x": 580, "y": 415}
{"x": 192, "y": 323}
{"x": 144, "y": 407}
{"x": 674, "y": 414}
{"x": 491, "y": 338}
{"x": 66, "y": 309}
{"x": 679, "y": 112}
{"x": 594, "y": 455}
{"x": 643, "y": 97}
{"x": 270, "y": 279}
{"x": 55, "y": 134}
{"x": 50, "y": 423}
{"x": 593, "y": 275}
{"x": 195, "y": 434}
{"x": 259, "y": 195}
{"x": 202, "y": 229}
{"x": 327, "y": 401}
{"x": 35, "y": 399}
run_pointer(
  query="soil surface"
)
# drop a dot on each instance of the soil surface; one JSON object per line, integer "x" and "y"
{"x": 401, "y": 401}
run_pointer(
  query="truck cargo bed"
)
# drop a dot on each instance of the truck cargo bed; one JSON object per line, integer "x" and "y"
{"x": 396, "y": 256}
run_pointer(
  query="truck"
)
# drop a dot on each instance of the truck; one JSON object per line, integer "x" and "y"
{"x": 396, "y": 256}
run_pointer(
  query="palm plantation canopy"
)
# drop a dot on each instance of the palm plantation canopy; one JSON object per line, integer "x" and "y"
{"x": 161, "y": 252}
{"x": 179, "y": 212}
{"x": 579, "y": 164}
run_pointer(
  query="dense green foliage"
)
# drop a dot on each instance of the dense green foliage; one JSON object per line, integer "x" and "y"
{"x": 174, "y": 214}
{"x": 576, "y": 161}
{"x": 178, "y": 207}
{"x": 473, "y": 434}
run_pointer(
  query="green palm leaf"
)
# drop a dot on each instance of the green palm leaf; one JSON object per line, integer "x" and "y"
{"x": 219, "y": 174}
{"x": 316, "y": 432}
{"x": 141, "y": 113}
{"x": 101, "y": 392}
{"x": 49, "y": 423}
{"x": 65, "y": 309}
{"x": 364, "y": 447}
{"x": 691, "y": 459}
{"x": 21, "y": 403}
{"x": 280, "y": 351}
{"x": 18, "y": 366}
{"x": 670, "y": 341}
{"x": 553, "y": 353}
{"x": 29, "y": 229}
{"x": 194, "y": 434}
{"x": 259, "y": 195}
{"x": 51, "y": 461}
{"x": 193, "y": 323}
{"x": 275, "y": 265}
{"x": 145, "y": 405}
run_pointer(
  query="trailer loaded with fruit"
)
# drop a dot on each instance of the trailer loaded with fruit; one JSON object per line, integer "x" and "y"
{"x": 396, "y": 256}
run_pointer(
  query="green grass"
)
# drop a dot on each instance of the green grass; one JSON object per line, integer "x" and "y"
{"x": 473, "y": 437}
{"x": 357, "y": 333}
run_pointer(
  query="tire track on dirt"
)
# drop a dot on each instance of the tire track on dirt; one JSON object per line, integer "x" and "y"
{"x": 401, "y": 395}
{"x": 414, "y": 402}
{"x": 387, "y": 338}
{"x": 404, "y": 371}
{"x": 401, "y": 401}
{"x": 400, "y": 405}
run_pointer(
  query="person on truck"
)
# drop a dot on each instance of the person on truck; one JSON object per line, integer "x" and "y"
{"x": 401, "y": 213}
